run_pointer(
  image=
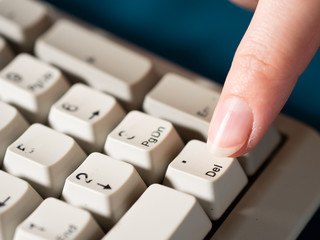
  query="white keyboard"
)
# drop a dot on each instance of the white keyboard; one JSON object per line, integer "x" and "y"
{"x": 100, "y": 139}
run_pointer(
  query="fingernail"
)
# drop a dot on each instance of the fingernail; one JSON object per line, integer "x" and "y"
{"x": 230, "y": 128}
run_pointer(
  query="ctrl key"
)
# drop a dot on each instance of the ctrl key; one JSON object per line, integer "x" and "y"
{"x": 57, "y": 220}
{"x": 162, "y": 213}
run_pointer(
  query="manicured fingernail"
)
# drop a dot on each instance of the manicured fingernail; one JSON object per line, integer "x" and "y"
{"x": 230, "y": 128}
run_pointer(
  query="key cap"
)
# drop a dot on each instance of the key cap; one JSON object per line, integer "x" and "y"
{"x": 22, "y": 21}
{"x": 87, "y": 115}
{"x": 17, "y": 200}
{"x": 146, "y": 142}
{"x": 100, "y": 62}
{"x": 281, "y": 201}
{"x": 57, "y": 220}
{"x": 104, "y": 186}
{"x": 186, "y": 104}
{"x": 43, "y": 157}
{"x": 31, "y": 85}
{"x": 6, "y": 55}
{"x": 12, "y": 125}
{"x": 253, "y": 160}
{"x": 162, "y": 213}
{"x": 214, "y": 181}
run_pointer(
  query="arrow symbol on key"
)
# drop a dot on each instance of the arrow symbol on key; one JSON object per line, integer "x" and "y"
{"x": 94, "y": 114}
{"x": 33, "y": 226}
{"x": 105, "y": 186}
{"x": 2, "y": 204}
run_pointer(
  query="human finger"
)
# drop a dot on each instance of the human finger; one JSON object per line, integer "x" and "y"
{"x": 280, "y": 41}
{"x": 248, "y": 4}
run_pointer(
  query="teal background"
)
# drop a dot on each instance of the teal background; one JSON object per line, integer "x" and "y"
{"x": 199, "y": 35}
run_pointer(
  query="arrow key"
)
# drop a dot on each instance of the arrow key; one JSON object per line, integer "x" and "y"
{"x": 17, "y": 200}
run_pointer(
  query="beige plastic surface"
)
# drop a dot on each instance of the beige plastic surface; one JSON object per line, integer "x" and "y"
{"x": 267, "y": 208}
{"x": 284, "y": 197}
{"x": 43, "y": 157}
{"x": 253, "y": 160}
{"x": 6, "y": 53}
{"x": 17, "y": 200}
{"x": 21, "y": 21}
{"x": 55, "y": 219}
{"x": 98, "y": 61}
{"x": 189, "y": 106}
{"x": 147, "y": 142}
{"x": 12, "y": 125}
{"x": 87, "y": 115}
{"x": 162, "y": 213}
{"x": 104, "y": 186}
{"x": 32, "y": 86}
{"x": 214, "y": 181}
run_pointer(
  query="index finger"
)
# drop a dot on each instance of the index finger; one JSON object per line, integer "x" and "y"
{"x": 280, "y": 41}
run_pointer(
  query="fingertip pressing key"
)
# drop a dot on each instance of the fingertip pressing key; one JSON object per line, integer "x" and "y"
{"x": 230, "y": 127}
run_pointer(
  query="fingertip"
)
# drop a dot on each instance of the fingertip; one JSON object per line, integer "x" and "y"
{"x": 247, "y": 4}
{"x": 230, "y": 128}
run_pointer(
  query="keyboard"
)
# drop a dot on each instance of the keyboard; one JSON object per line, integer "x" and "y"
{"x": 100, "y": 139}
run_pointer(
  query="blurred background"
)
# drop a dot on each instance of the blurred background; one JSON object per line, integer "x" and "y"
{"x": 201, "y": 36}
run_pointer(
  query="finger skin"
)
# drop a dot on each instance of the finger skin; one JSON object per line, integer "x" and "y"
{"x": 248, "y": 4}
{"x": 280, "y": 41}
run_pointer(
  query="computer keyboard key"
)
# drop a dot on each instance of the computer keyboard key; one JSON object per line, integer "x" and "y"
{"x": 189, "y": 106}
{"x": 31, "y": 85}
{"x": 57, "y": 220}
{"x": 87, "y": 115}
{"x": 286, "y": 194}
{"x": 253, "y": 160}
{"x": 98, "y": 61}
{"x": 162, "y": 213}
{"x": 147, "y": 142}
{"x": 17, "y": 200}
{"x": 43, "y": 157}
{"x": 12, "y": 125}
{"x": 21, "y": 21}
{"x": 6, "y": 54}
{"x": 214, "y": 181}
{"x": 104, "y": 186}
